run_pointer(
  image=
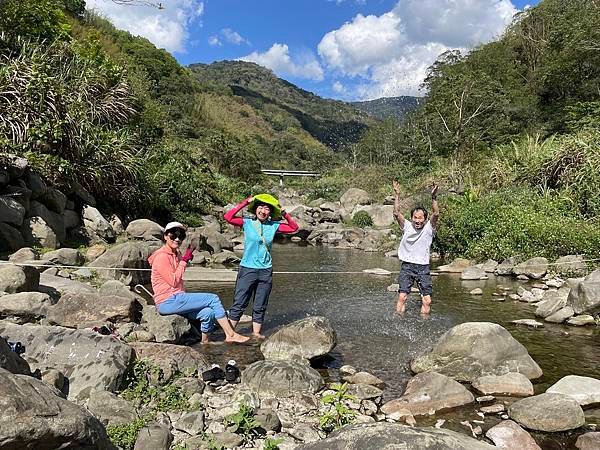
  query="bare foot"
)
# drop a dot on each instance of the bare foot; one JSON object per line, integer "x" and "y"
{"x": 236, "y": 338}
{"x": 400, "y": 308}
{"x": 258, "y": 336}
{"x": 425, "y": 310}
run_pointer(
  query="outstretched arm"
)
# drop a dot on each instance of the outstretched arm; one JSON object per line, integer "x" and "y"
{"x": 287, "y": 228}
{"x": 230, "y": 215}
{"x": 397, "y": 213}
{"x": 435, "y": 209}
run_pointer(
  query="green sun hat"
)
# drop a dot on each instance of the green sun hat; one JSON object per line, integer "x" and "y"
{"x": 269, "y": 200}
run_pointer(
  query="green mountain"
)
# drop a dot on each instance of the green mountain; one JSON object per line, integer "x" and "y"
{"x": 389, "y": 107}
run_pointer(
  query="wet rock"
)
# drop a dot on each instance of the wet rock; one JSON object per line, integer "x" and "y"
{"x": 528, "y": 323}
{"x": 305, "y": 338}
{"x": 456, "y": 266}
{"x": 109, "y": 408}
{"x": 551, "y": 303}
{"x": 561, "y": 315}
{"x": 470, "y": 350}
{"x": 64, "y": 257}
{"x": 169, "y": 329}
{"x": 513, "y": 383}
{"x": 364, "y": 378}
{"x": 547, "y": 412}
{"x": 33, "y": 416}
{"x": 170, "y": 358}
{"x": 154, "y": 436}
{"x": 534, "y": 268}
{"x": 584, "y": 390}
{"x": 510, "y": 436}
{"x": 383, "y": 435}
{"x": 15, "y": 279}
{"x": 24, "y": 307}
{"x": 12, "y": 362}
{"x": 427, "y": 393}
{"x": 585, "y": 296}
{"x": 281, "y": 378}
{"x": 588, "y": 441}
{"x": 145, "y": 230}
{"x": 473, "y": 273}
{"x": 584, "y": 319}
{"x": 87, "y": 359}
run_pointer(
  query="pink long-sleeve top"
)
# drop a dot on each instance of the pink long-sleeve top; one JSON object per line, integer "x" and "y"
{"x": 167, "y": 274}
{"x": 286, "y": 228}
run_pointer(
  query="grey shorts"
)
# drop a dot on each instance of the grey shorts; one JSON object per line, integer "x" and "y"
{"x": 409, "y": 273}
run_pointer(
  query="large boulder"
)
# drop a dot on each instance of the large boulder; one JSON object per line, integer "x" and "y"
{"x": 281, "y": 378}
{"x": 547, "y": 412}
{"x": 16, "y": 166}
{"x": 584, "y": 297}
{"x": 171, "y": 358}
{"x": 18, "y": 278}
{"x": 88, "y": 359}
{"x": 11, "y": 361}
{"x": 588, "y": 441}
{"x": 552, "y": 301}
{"x": 24, "y": 307}
{"x": 86, "y": 310}
{"x": 109, "y": 408}
{"x": 155, "y": 436}
{"x": 37, "y": 233}
{"x": 24, "y": 254}
{"x": 353, "y": 197}
{"x": 382, "y": 215}
{"x": 52, "y": 219}
{"x": 392, "y": 436}
{"x": 10, "y": 238}
{"x": 145, "y": 230}
{"x": 571, "y": 266}
{"x": 168, "y": 329}
{"x": 506, "y": 266}
{"x": 97, "y": 227}
{"x": 473, "y": 349}
{"x": 584, "y": 390}
{"x": 119, "y": 258}
{"x": 11, "y": 211}
{"x": 427, "y": 393}
{"x": 534, "y": 268}
{"x": 513, "y": 383}
{"x": 71, "y": 218}
{"x": 456, "y": 266}
{"x": 37, "y": 184}
{"x": 55, "y": 200}
{"x": 305, "y": 338}
{"x": 33, "y": 416}
{"x": 64, "y": 257}
{"x": 510, "y": 436}
{"x": 473, "y": 273}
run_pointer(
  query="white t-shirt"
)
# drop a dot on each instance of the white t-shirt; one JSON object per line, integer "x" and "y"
{"x": 415, "y": 244}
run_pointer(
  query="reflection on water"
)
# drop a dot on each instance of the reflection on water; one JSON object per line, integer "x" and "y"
{"x": 373, "y": 338}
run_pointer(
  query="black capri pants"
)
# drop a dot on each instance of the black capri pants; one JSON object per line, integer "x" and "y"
{"x": 250, "y": 283}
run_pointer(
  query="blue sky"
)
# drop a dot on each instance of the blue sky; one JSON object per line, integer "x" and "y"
{"x": 345, "y": 49}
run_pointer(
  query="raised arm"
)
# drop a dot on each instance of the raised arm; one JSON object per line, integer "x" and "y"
{"x": 397, "y": 213}
{"x": 435, "y": 209}
{"x": 162, "y": 266}
{"x": 230, "y": 215}
{"x": 287, "y": 228}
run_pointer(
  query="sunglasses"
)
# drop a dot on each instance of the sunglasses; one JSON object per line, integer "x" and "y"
{"x": 177, "y": 234}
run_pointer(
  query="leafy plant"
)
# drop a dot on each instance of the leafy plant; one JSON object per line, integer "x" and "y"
{"x": 339, "y": 414}
{"x": 362, "y": 219}
{"x": 125, "y": 435}
{"x": 272, "y": 444}
{"x": 244, "y": 421}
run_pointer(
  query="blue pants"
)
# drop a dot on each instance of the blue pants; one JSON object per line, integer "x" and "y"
{"x": 198, "y": 306}
{"x": 249, "y": 283}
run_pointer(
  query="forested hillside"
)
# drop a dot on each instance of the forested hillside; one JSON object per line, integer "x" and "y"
{"x": 389, "y": 107}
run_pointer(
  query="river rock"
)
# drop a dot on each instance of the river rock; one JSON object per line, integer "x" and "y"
{"x": 353, "y": 197}
{"x": 12, "y": 362}
{"x": 168, "y": 329}
{"x": 584, "y": 390}
{"x": 55, "y": 286}
{"x": 109, "y": 408}
{"x": 23, "y": 255}
{"x": 11, "y": 211}
{"x": 87, "y": 310}
{"x": 170, "y": 358}
{"x": 15, "y": 279}
{"x": 145, "y": 230}
{"x": 305, "y": 338}
{"x": 52, "y": 219}
{"x": 281, "y": 378}
{"x": 364, "y": 378}
{"x": 470, "y": 350}
{"x": 384, "y": 435}
{"x": 94, "y": 252}
{"x": 211, "y": 240}
{"x": 37, "y": 232}
{"x": 561, "y": 315}
{"x": 64, "y": 257}
{"x": 528, "y": 323}
{"x": 585, "y": 296}
{"x": 473, "y": 273}
{"x": 476, "y": 291}
{"x": 489, "y": 266}
{"x": 55, "y": 200}
{"x": 513, "y": 383}
{"x": 551, "y": 303}
{"x": 506, "y": 266}
{"x": 225, "y": 257}
{"x": 10, "y": 238}
{"x": 191, "y": 422}
{"x": 382, "y": 215}
{"x": 510, "y": 436}
{"x": 87, "y": 359}
{"x": 571, "y": 265}
{"x": 582, "y": 320}
{"x": 133, "y": 255}
{"x": 588, "y": 441}
{"x": 33, "y": 416}
{"x": 24, "y": 307}
{"x": 427, "y": 393}
{"x": 70, "y": 218}
{"x": 155, "y": 436}
{"x": 456, "y": 266}
{"x": 97, "y": 227}
{"x": 364, "y": 391}
{"x": 548, "y": 412}
{"x": 534, "y": 268}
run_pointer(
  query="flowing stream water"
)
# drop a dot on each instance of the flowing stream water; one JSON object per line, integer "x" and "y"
{"x": 373, "y": 338}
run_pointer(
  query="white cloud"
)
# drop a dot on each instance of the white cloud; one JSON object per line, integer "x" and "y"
{"x": 392, "y": 52}
{"x": 338, "y": 88}
{"x": 233, "y": 37}
{"x": 214, "y": 41}
{"x": 167, "y": 28}
{"x": 278, "y": 59}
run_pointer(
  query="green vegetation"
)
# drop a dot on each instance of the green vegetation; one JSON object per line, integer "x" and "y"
{"x": 272, "y": 444}
{"x": 362, "y": 219}
{"x": 243, "y": 421}
{"x": 126, "y": 434}
{"x": 339, "y": 414}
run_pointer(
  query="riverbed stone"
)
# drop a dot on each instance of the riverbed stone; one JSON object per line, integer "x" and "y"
{"x": 145, "y": 230}
{"x": 581, "y": 320}
{"x": 489, "y": 266}
{"x": 87, "y": 310}
{"x": 384, "y": 435}
{"x": 56, "y": 286}
{"x": 11, "y": 211}
{"x": 584, "y": 298}
{"x": 281, "y": 378}
{"x": 551, "y": 303}
{"x": 353, "y": 197}
{"x": 561, "y": 315}
{"x": 88, "y": 359}
{"x": 364, "y": 378}
{"x": 571, "y": 266}
{"x": 588, "y": 441}
{"x": 473, "y": 273}
{"x": 506, "y": 266}
{"x": 109, "y": 408}
{"x": 513, "y": 383}
{"x": 456, "y": 266}
{"x": 534, "y": 268}
{"x": 473, "y": 349}
{"x": 15, "y": 279}
{"x": 585, "y": 390}
{"x": 51, "y": 218}
{"x": 476, "y": 291}
{"x": 155, "y": 436}
{"x": 64, "y": 257}
{"x": 547, "y": 412}
{"x": 133, "y": 254}
{"x": 382, "y": 215}
{"x": 427, "y": 393}
{"x": 171, "y": 358}
{"x": 97, "y": 227}
{"x": 37, "y": 232}
{"x": 509, "y": 435}
{"x": 24, "y": 254}
{"x": 24, "y": 307}
{"x": 364, "y": 391}
{"x": 305, "y": 338}
{"x": 10, "y": 238}
{"x": 168, "y": 329}
{"x": 11, "y": 361}
{"x": 33, "y": 416}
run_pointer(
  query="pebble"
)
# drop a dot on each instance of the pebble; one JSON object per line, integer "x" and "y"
{"x": 493, "y": 409}
{"x": 485, "y": 399}
{"x": 514, "y": 297}
{"x": 542, "y": 286}
{"x": 528, "y": 322}
{"x": 476, "y": 291}
{"x": 523, "y": 277}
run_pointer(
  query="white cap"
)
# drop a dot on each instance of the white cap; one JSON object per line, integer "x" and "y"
{"x": 172, "y": 225}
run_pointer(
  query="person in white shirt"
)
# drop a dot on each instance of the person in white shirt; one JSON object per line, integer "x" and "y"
{"x": 414, "y": 250}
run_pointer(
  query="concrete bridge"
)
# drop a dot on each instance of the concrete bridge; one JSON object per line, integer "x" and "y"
{"x": 289, "y": 173}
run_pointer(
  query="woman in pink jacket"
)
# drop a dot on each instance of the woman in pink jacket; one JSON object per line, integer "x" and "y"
{"x": 168, "y": 267}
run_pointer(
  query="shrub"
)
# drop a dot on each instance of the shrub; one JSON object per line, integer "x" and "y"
{"x": 362, "y": 219}
{"x": 338, "y": 414}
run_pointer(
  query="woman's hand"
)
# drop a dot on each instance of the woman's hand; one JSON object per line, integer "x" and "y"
{"x": 396, "y": 187}
{"x": 189, "y": 254}
{"x": 249, "y": 200}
